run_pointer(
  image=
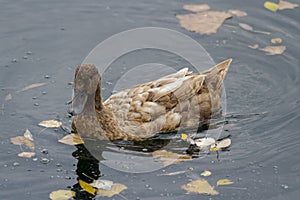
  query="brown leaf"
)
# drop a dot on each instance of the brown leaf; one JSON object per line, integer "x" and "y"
{"x": 237, "y": 13}
{"x": 50, "y": 123}
{"x": 197, "y": 8}
{"x": 8, "y": 97}
{"x": 286, "y": 5}
{"x": 276, "y": 40}
{"x": 20, "y": 140}
{"x": 71, "y": 139}
{"x": 116, "y": 188}
{"x": 274, "y": 50}
{"x": 200, "y": 187}
{"x": 206, "y": 22}
{"x": 168, "y": 158}
{"x": 26, "y": 154}
{"x": 32, "y": 86}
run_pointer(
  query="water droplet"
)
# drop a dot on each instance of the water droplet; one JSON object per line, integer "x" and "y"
{"x": 44, "y": 92}
{"x": 34, "y": 97}
{"x": 47, "y": 76}
{"x": 58, "y": 165}
{"x": 25, "y": 57}
{"x": 29, "y": 53}
{"x": 14, "y": 60}
{"x": 44, "y": 160}
{"x": 36, "y": 104}
{"x": 44, "y": 151}
{"x": 15, "y": 164}
{"x": 284, "y": 186}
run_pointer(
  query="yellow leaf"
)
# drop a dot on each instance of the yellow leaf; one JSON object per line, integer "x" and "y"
{"x": 50, "y": 123}
{"x": 184, "y": 136}
{"x": 71, "y": 139}
{"x": 274, "y": 50}
{"x": 286, "y": 5}
{"x": 87, "y": 187}
{"x": 26, "y": 154}
{"x": 224, "y": 182}
{"x": 206, "y": 22}
{"x": 276, "y": 40}
{"x": 61, "y": 195}
{"x": 168, "y": 158}
{"x": 214, "y": 149}
{"x": 206, "y": 173}
{"x": 237, "y": 13}
{"x": 8, "y": 97}
{"x": 201, "y": 187}
{"x": 32, "y": 86}
{"x": 197, "y": 8}
{"x": 271, "y": 6}
{"x": 116, "y": 188}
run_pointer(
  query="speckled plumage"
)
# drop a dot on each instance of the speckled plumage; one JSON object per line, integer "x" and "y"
{"x": 180, "y": 99}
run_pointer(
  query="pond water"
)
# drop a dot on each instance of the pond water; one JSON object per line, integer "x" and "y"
{"x": 44, "y": 41}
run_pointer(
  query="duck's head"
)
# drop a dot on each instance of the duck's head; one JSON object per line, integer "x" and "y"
{"x": 86, "y": 88}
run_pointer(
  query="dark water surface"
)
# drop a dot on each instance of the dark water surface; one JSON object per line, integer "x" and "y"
{"x": 55, "y": 36}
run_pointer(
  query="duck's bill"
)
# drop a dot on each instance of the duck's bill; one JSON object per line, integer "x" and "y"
{"x": 78, "y": 103}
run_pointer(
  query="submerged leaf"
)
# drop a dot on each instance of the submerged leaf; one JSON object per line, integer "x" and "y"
{"x": 276, "y": 40}
{"x": 224, "y": 182}
{"x": 200, "y": 187}
{"x": 32, "y": 86}
{"x": 247, "y": 27}
{"x": 197, "y": 8}
{"x": 116, "y": 188}
{"x": 168, "y": 158}
{"x": 237, "y": 13}
{"x": 102, "y": 184}
{"x": 50, "y": 123}
{"x": 271, "y": 6}
{"x": 286, "y": 5}
{"x": 8, "y": 97}
{"x": 204, "y": 142}
{"x": 61, "y": 195}
{"x": 26, "y": 154}
{"x": 206, "y": 22}
{"x": 223, "y": 143}
{"x": 71, "y": 139}
{"x": 274, "y": 50}
{"x": 205, "y": 173}
{"x": 255, "y": 46}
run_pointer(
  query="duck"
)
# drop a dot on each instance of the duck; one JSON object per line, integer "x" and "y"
{"x": 182, "y": 99}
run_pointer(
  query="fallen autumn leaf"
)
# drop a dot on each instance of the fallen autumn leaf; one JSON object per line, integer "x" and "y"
{"x": 200, "y": 187}
{"x": 50, "y": 123}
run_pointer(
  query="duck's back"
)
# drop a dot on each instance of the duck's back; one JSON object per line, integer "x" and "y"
{"x": 179, "y": 99}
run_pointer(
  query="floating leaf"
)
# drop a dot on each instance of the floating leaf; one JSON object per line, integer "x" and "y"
{"x": 223, "y": 143}
{"x": 50, "y": 123}
{"x": 168, "y": 158}
{"x": 32, "y": 86}
{"x": 247, "y": 27}
{"x": 87, "y": 187}
{"x": 205, "y": 173}
{"x": 204, "y": 142}
{"x": 8, "y": 97}
{"x": 71, "y": 139}
{"x": 271, "y": 6}
{"x": 200, "y": 187}
{"x": 172, "y": 173}
{"x": 255, "y": 46}
{"x": 28, "y": 135}
{"x": 276, "y": 40}
{"x": 61, "y": 195}
{"x": 237, "y": 13}
{"x": 206, "y": 22}
{"x": 20, "y": 140}
{"x": 197, "y": 8}
{"x": 102, "y": 184}
{"x": 224, "y": 182}
{"x": 274, "y": 50}
{"x": 286, "y": 5}
{"x": 184, "y": 136}
{"x": 26, "y": 154}
{"x": 116, "y": 188}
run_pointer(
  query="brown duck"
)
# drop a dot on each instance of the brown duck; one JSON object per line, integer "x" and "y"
{"x": 181, "y": 99}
